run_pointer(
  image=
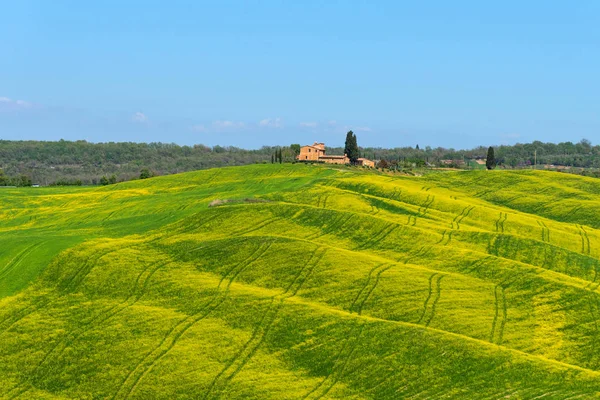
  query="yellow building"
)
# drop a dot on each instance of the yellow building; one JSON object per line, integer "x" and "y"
{"x": 312, "y": 153}
{"x": 316, "y": 152}
{"x": 365, "y": 162}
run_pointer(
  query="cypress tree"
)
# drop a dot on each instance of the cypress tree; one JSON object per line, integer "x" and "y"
{"x": 348, "y": 143}
{"x": 490, "y": 162}
{"x": 351, "y": 147}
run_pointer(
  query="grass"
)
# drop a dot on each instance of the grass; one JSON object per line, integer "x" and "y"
{"x": 304, "y": 282}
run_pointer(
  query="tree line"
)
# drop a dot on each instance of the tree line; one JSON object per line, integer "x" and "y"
{"x": 83, "y": 163}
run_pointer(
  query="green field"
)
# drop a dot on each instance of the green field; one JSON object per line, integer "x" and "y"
{"x": 303, "y": 282}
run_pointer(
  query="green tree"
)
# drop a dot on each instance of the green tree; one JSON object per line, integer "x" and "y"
{"x": 145, "y": 173}
{"x": 113, "y": 179}
{"x": 351, "y": 147}
{"x": 104, "y": 181}
{"x": 295, "y": 149}
{"x": 24, "y": 180}
{"x": 4, "y": 180}
{"x": 490, "y": 162}
{"x": 272, "y": 159}
{"x": 348, "y": 143}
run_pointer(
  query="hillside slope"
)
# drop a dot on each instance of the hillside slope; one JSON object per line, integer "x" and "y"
{"x": 316, "y": 282}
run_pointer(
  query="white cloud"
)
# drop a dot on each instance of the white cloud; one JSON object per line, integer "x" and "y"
{"x": 139, "y": 117}
{"x": 227, "y": 124}
{"x": 9, "y": 103}
{"x": 362, "y": 129}
{"x": 271, "y": 123}
{"x": 22, "y": 103}
{"x": 308, "y": 124}
{"x": 198, "y": 128}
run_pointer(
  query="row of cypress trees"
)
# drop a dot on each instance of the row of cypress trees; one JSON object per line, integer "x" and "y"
{"x": 277, "y": 157}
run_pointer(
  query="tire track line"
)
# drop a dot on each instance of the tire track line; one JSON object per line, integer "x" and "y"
{"x": 135, "y": 294}
{"x": 240, "y": 359}
{"x": 504, "y": 317}
{"x": 46, "y": 301}
{"x": 364, "y": 287}
{"x": 339, "y": 367}
{"x": 438, "y": 294}
{"x": 249, "y": 349}
{"x": 426, "y": 302}
{"x": 16, "y": 260}
{"x": 144, "y": 367}
{"x": 368, "y": 295}
{"x": 491, "y": 340}
{"x": 388, "y": 229}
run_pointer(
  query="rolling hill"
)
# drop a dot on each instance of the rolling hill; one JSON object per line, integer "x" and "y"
{"x": 303, "y": 282}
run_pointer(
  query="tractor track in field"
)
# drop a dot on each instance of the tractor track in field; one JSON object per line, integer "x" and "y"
{"x": 203, "y": 222}
{"x": 337, "y": 224}
{"x": 428, "y": 298}
{"x": 422, "y": 211}
{"x": 241, "y": 358}
{"x": 585, "y": 240}
{"x": 436, "y": 299}
{"x": 85, "y": 269}
{"x": 482, "y": 193}
{"x": 261, "y": 225}
{"x": 372, "y": 287}
{"x": 511, "y": 199}
{"x": 463, "y": 214}
{"x": 545, "y": 231}
{"x": 478, "y": 264}
{"x": 500, "y": 222}
{"x": 448, "y": 239}
{"x": 339, "y": 368}
{"x": 319, "y": 200}
{"x": 45, "y": 302}
{"x": 16, "y": 260}
{"x": 306, "y": 271}
{"x": 366, "y": 284}
{"x": 419, "y": 253}
{"x": 443, "y": 237}
{"x": 32, "y": 308}
{"x": 135, "y": 295}
{"x": 382, "y": 233}
{"x": 144, "y": 367}
{"x": 249, "y": 349}
{"x": 496, "y": 331}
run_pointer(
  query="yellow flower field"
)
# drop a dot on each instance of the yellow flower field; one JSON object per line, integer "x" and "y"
{"x": 303, "y": 282}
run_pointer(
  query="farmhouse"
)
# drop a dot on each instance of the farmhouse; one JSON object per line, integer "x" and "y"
{"x": 316, "y": 152}
{"x": 363, "y": 162}
{"x": 312, "y": 153}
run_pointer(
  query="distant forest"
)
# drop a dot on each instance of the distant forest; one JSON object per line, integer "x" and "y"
{"x": 75, "y": 163}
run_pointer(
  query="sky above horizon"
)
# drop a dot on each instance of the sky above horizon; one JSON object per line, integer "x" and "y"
{"x": 453, "y": 74}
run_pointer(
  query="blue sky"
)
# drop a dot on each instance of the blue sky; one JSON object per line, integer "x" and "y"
{"x": 439, "y": 73}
